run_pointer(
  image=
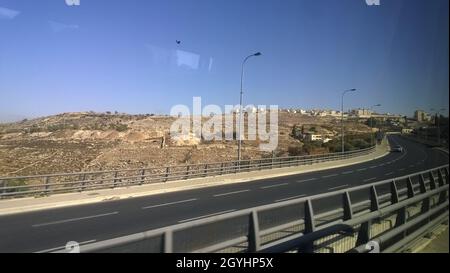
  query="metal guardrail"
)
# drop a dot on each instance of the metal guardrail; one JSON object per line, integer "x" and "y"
{"x": 82, "y": 181}
{"x": 432, "y": 142}
{"x": 389, "y": 213}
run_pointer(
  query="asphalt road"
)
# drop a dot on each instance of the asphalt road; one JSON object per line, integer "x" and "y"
{"x": 51, "y": 229}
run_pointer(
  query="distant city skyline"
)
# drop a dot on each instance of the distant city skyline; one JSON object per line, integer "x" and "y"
{"x": 143, "y": 57}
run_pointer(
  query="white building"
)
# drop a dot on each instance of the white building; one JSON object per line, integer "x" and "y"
{"x": 362, "y": 113}
{"x": 312, "y": 137}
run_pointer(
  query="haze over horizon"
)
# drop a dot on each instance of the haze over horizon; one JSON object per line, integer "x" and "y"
{"x": 56, "y": 58}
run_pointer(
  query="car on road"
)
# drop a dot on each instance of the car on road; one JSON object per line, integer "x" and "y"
{"x": 397, "y": 148}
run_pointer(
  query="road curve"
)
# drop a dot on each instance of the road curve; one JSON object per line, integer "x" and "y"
{"x": 51, "y": 229}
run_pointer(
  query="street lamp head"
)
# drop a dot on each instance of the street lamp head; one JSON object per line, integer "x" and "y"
{"x": 377, "y": 105}
{"x": 353, "y": 89}
{"x": 257, "y": 54}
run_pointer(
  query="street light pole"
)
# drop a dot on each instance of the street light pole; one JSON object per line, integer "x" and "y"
{"x": 438, "y": 125}
{"x": 240, "y": 103}
{"x": 371, "y": 123}
{"x": 342, "y": 117}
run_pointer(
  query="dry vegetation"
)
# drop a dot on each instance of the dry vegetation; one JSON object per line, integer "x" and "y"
{"x": 87, "y": 141}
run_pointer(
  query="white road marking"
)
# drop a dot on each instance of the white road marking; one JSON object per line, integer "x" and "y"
{"x": 342, "y": 186}
{"x": 63, "y": 247}
{"x": 402, "y": 169}
{"x": 204, "y": 216}
{"x": 347, "y": 172}
{"x": 74, "y": 219}
{"x": 229, "y": 193}
{"x": 389, "y": 173}
{"x": 372, "y": 167}
{"x": 171, "y": 203}
{"x": 304, "y": 180}
{"x": 360, "y": 170}
{"x": 369, "y": 179}
{"x": 411, "y": 166}
{"x": 276, "y": 185}
{"x": 289, "y": 198}
{"x": 331, "y": 175}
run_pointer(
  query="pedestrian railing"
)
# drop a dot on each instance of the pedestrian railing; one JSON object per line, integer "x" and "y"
{"x": 82, "y": 181}
{"x": 383, "y": 216}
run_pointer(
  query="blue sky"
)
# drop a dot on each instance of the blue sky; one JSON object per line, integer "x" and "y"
{"x": 108, "y": 55}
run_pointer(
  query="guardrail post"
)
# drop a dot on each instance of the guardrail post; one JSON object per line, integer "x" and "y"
{"x": 446, "y": 175}
{"x": 47, "y": 186}
{"x": 187, "y": 171}
{"x": 83, "y": 182}
{"x": 168, "y": 241}
{"x": 401, "y": 213}
{"x": 116, "y": 174}
{"x": 364, "y": 229}
{"x": 309, "y": 227}
{"x": 348, "y": 211}
{"x": 410, "y": 188}
{"x": 443, "y": 194}
{"x": 142, "y": 177}
{"x": 3, "y": 183}
{"x": 206, "y": 170}
{"x": 440, "y": 178}
{"x": 167, "y": 174}
{"x": 423, "y": 189}
{"x": 221, "y": 168}
{"x": 432, "y": 180}
{"x": 363, "y": 233}
{"x": 254, "y": 242}
{"x": 374, "y": 203}
{"x": 394, "y": 192}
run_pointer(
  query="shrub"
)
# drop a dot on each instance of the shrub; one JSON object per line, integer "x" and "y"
{"x": 119, "y": 127}
{"x": 295, "y": 150}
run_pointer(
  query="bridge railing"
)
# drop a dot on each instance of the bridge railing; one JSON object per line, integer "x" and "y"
{"x": 82, "y": 181}
{"x": 384, "y": 216}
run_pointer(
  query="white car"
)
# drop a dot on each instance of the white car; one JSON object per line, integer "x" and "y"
{"x": 397, "y": 148}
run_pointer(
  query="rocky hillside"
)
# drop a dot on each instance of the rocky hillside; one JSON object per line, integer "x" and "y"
{"x": 85, "y": 141}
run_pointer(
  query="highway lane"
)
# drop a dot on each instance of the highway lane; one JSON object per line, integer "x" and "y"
{"x": 49, "y": 229}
